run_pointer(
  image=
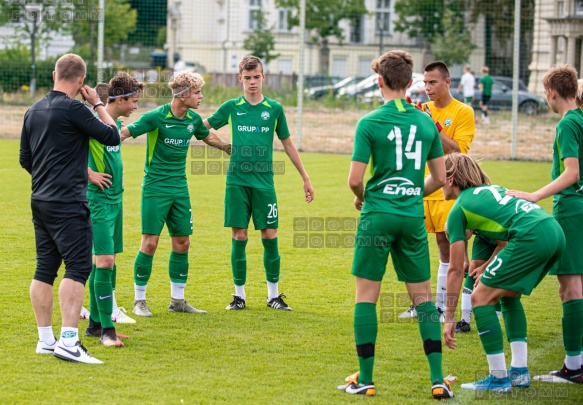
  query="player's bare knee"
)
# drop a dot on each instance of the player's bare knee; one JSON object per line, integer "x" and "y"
{"x": 239, "y": 234}
{"x": 180, "y": 244}
{"x": 149, "y": 245}
{"x": 105, "y": 261}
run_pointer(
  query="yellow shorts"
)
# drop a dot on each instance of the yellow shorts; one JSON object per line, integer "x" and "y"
{"x": 436, "y": 212}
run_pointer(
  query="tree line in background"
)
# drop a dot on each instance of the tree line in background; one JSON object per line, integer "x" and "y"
{"x": 441, "y": 26}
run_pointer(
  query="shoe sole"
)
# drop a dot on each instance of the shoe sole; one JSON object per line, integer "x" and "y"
{"x": 144, "y": 315}
{"x": 499, "y": 390}
{"x": 130, "y": 320}
{"x": 73, "y": 361}
{"x": 552, "y": 379}
{"x": 45, "y": 351}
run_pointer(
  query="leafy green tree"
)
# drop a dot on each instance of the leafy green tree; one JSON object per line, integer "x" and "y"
{"x": 455, "y": 45}
{"x": 151, "y": 17}
{"x": 499, "y": 26}
{"x": 425, "y": 19}
{"x": 261, "y": 42}
{"x": 120, "y": 20}
{"x": 35, "y": 24}
{"x": 322, "y": 18}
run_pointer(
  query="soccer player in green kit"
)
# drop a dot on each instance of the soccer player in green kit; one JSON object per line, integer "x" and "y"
{"x": 399, "y": 140}
{"x": 561, "y": 90}
{"x": 165, "y": 197}
{"x": 535, "y": 244}
{"x": 250, "y": 191}
{"x": 104, "y": 193}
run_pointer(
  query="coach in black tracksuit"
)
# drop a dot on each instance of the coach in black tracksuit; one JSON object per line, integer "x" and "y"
{"x": 53, "y": 149}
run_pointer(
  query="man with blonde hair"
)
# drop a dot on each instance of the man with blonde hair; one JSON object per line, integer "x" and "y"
{"x": 54, "y": 147}
{"x": 165, "y": 197}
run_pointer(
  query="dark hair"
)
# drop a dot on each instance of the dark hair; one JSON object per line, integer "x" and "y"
{"x": 438, "y": 65}
{"x": 396, "y": 69}
{"x": 122, "y": 84}
{"x": 250, "y": 62}
{"x": 563, "y": 80}
{"x": 102, "y": 90}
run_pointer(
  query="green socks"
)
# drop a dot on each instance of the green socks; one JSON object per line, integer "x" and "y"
{"x": 489, "y": 329}
{"x": 514, "y": 319}
{"x": 142, "y": 268}
{"x": 573, "y": 326}
{"x": 103, "y": 293}
{"x": 239, "y": 261}
{"x": 271, "y": 259}
{"x": 365, "y": 336}
{"x": 93, "y": 309}
{"x": 178, "y": 267}
{"x": 430, "y": 330}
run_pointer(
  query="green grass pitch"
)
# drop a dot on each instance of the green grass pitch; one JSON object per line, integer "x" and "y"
{"x": 256, "y": 356}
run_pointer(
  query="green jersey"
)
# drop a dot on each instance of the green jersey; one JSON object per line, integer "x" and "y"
{"x": 167, "y": 146}
{"x": 490, "y": 213}
{"x": 487, "y": 82}
{"x": 400, "y": 139}
{"x": 106, "y": 159}
{"x": 568, "y": 144}
{"x": 252, "y": 132}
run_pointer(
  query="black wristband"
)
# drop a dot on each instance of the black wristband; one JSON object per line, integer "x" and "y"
{"x": 99, "y": 103}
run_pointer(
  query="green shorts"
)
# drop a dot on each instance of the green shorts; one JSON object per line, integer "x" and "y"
{"x": 379, "y": 234}
{"x": 468, "y": 99}
{"x": 523, "y": 263}
{"x": 107, "y": 224}
{"x": 570, "y": 262}
{"x": 482, "y": 248}
{"x": 172, "y": 209}
{"x": 243, "y": 202}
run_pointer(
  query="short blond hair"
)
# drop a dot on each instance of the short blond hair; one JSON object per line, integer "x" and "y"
{"x": 465, "y": 171}
{"x": 579, "y": 98}
{"x": 70, "y": 67}
{"x": 183, "y": 81}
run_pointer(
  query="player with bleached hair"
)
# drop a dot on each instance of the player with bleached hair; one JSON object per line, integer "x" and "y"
{"x": 535, "y": 244}
{"x": 165, "y": 196}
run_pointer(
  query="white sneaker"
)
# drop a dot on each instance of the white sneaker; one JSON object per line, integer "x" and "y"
{"x": 119, "y": 315}
{"x": 44, "y": 348}
{"x": 141, "y": 309}
{"x": 76, "y": 353}
{"x": 410, "y": 313}
{"x": 84, "y": 313}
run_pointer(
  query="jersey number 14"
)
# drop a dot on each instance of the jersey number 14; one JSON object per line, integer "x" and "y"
{"x": 412, "y": 149}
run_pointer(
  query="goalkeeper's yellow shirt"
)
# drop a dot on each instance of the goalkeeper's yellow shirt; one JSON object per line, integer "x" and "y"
{"x": 457, "y": 120}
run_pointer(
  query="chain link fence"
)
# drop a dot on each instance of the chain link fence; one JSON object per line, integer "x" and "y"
{"x": 151, "y": 39}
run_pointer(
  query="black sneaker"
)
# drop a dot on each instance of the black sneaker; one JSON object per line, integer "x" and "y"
{"x": 94, "y": 329}
{"x": 563, "y": 375}
{"x": 462, "y": 326}
{"x": 278, "y": 303}
{"x": 236, "y": 304}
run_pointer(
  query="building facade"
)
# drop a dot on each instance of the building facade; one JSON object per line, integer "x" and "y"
{"x": 211, "y": 33}
{"x": 558, "y": 36}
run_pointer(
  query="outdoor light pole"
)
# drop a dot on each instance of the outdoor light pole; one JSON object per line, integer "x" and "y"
{"x": 174, "y": 17}
{"x": 33, "y": 13}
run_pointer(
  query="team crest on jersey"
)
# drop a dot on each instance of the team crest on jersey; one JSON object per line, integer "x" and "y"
{"x": 447, "y": 123}
{"x": 190, "y": 127}
{"x": 265, "y": 115}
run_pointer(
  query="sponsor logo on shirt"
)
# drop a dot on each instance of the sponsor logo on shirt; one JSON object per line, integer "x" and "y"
{"x": 246, "y": 128}
{"x": 112, "y": 148}
{"x": 265, "y": 115}
{"x": 177, "y": 142}
{"x": 400, "y": 186}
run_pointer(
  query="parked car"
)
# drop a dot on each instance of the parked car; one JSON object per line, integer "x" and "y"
{"x": 361, "y": 87}
{"x": 528, "y": 103}
{"x": 369, "y": 88}
{"x": 321, "y": 91}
